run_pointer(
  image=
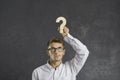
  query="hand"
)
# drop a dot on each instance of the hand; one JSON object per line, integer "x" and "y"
{"x": 65, "y": 31}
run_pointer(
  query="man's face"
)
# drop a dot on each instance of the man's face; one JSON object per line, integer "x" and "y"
{"x": 56, "y": 51}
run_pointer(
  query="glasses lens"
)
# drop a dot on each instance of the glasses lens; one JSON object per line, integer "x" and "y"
{"x": 60, "y": 49}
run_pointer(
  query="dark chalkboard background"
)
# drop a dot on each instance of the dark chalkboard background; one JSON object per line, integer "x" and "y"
{"x": 26, "y": 26}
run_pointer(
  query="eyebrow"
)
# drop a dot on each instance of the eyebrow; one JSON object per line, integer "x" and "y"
{"x": 57, "y": 47}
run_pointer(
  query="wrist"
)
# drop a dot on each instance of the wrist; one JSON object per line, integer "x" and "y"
{"x": 64, "y": 35}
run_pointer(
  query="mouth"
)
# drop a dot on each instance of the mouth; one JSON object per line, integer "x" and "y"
{"x": 57, "y": 56}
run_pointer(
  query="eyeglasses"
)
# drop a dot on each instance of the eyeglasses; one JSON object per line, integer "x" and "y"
{"x": 59, "y": 49}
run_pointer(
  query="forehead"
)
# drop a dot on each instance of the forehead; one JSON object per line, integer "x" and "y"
{"x": 56, "y": 44}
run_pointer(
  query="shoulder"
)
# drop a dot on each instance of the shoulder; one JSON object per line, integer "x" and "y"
{"x": 40, "y": 68}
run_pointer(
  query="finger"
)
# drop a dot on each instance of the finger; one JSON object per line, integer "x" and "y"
{"x": 58, "y": 29}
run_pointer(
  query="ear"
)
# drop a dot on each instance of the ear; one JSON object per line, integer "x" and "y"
{"x": 64, "y": 52}
{"x": 47, "y": 52}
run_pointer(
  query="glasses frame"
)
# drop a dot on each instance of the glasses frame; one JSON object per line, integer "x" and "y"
{"x": 59, "y": 49}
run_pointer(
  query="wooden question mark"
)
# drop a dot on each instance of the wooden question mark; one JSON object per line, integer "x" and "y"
{"x": 63, "y": 23}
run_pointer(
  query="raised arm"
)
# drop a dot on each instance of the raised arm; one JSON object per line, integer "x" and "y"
{"x": 81, "y": 52}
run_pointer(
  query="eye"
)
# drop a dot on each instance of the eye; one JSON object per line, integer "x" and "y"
{"x": 59, "y": 48}
{"x": 51, "y": 49}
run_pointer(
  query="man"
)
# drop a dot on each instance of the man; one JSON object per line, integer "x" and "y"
{"x": 55, "y": 69}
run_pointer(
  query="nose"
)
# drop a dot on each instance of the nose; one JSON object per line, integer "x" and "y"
{"x": 55, "y": 50}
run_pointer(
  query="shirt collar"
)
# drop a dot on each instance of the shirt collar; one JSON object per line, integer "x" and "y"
{"x": 51, "y": 68}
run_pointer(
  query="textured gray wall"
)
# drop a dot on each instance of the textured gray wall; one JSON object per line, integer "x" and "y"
{"x": 26, "y": 26}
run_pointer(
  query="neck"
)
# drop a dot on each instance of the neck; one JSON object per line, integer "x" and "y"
{"x": 55, "y": 64}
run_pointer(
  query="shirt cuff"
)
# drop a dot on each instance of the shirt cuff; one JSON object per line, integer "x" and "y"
{"x": 68, "y": 36}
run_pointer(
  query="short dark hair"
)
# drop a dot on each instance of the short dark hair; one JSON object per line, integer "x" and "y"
{"x": 56, "y": 40}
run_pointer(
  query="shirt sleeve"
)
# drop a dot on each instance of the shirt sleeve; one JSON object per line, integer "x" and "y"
{"x": 81, "y": 54}
{"x": 34, "y": 75}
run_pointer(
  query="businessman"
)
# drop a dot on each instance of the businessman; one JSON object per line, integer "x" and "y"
{"x": 55, "y": 69}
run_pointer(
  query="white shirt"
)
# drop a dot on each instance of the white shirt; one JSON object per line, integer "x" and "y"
{"x": 69, "y": 69}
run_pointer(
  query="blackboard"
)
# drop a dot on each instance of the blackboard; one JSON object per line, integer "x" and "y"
{"x": 26, "y": 26}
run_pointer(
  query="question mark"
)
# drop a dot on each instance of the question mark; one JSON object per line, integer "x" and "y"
{"x": 63, "y": 23}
